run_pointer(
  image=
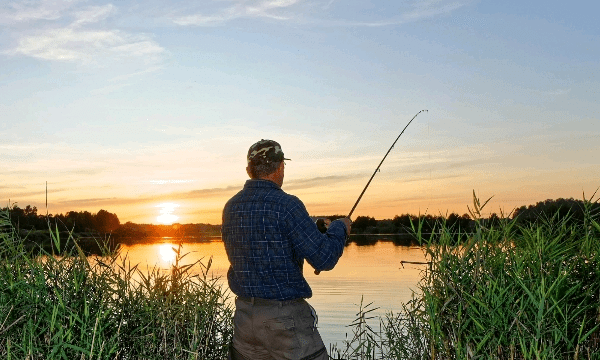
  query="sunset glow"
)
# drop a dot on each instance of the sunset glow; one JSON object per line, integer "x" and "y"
{"x": 123, "y": 117}
{"x": 166, "y": 216}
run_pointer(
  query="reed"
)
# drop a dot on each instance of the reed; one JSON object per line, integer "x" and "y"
{"x": 67, "y": 306}
{"x": 509, "y": 291}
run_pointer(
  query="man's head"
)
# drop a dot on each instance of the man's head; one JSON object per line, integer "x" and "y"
{"x": 266, "y": 161}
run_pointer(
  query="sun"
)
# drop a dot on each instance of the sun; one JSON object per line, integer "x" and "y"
{"x": 166, "y": 216}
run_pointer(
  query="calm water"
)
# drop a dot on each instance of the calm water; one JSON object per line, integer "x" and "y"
{"x": 373, "y": 272}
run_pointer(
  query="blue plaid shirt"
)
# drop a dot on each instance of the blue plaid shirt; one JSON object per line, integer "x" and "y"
{"x": 267, "y": 235}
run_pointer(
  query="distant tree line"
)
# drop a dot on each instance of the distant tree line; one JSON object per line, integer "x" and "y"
{"x": 545, "y": 210}
{"x": 131, "y": 231}
{"x": 524, "y": 215}
{"x": 103, "y": 222}
{"x": 28, "y": 219}
{"x": 403, "y": 224}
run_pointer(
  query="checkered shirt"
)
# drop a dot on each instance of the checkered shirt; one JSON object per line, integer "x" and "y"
{"x": 268, "y": 234}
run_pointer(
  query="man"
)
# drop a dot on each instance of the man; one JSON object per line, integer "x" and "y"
{"x": 268, "y": 234}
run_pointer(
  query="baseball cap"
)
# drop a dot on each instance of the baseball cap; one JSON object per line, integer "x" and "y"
{"x": 265, "y": 151}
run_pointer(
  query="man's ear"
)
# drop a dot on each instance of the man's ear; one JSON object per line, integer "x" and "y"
{"x": 248, "y": 171}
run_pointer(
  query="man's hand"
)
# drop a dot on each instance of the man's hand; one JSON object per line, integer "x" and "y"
{"x": 348, "y": 224}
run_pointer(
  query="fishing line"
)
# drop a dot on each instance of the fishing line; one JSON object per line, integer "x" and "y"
{"x": 430, "y": 164}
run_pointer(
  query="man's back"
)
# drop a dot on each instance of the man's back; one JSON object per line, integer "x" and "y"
{"x": 267, "y": 235}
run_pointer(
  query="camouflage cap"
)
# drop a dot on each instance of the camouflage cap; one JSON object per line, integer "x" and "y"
{"x": 265, "y": 151}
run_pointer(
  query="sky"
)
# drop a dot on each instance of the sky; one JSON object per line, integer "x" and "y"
{"x": 147, "y": 109}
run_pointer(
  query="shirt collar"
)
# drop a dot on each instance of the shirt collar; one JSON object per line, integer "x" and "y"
{"x": 261, "y": 183}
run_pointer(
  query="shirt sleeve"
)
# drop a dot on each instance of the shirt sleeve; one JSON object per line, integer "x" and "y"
{"x": 322, "y": 251}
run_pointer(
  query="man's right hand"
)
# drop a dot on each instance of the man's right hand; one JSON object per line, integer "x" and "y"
{"x": 348, "y": 223}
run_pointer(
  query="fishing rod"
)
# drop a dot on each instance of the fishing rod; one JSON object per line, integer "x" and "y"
{"x": 376, "y": 170}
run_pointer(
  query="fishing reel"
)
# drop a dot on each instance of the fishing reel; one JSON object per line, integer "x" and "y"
{"x": 322, "y": 224}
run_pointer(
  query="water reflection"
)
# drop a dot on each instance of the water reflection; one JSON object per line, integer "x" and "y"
{"x": 372, "y": 271}
{"x": 167, "y": 252}
{"x": 372, "y": 239}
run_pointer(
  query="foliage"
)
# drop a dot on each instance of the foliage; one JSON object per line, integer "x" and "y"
{"x": 59, "y": 306}
{"x": 76, "y": 221}
{"x": 362, "y": 223}
{"x": 576, "y": 210}
{"x": 513, "y": 290}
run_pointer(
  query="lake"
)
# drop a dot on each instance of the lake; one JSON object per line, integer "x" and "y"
{"x": 372, "y": 272}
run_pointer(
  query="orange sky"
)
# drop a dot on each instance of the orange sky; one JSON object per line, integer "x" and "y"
{"x": 404, "y": 185}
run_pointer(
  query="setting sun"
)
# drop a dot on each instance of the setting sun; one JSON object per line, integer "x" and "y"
{"x": 166, "y": 216}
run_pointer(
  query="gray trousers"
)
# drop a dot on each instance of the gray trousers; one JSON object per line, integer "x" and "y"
{"x": 274, "y": 330}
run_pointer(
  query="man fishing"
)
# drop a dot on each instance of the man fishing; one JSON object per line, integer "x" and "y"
{"x": 268, "y": 234}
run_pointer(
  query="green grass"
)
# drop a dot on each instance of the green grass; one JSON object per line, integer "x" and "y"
{"x": 72, "y": 307}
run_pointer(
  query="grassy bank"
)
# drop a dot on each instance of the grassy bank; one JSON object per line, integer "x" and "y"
{"x": 506, "y": 291}
{"x": 69, "y": 307}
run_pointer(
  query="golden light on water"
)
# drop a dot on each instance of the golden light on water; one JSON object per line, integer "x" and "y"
{"x": 166, "y": 216}
{"x": 167, "y": 253}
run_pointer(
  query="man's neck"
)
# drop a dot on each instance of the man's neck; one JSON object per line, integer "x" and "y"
{"x": 271, "y": 177}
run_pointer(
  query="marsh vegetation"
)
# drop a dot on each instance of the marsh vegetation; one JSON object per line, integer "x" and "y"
{"x": 65, "y": 306}
{"x": 514, "y": 290}
{"x": 504, "y": 290}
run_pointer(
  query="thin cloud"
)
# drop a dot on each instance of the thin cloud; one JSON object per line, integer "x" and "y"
{"x": 81, "y": 46}
{"x": 37, "y": 192}
{"x": 16, "y": 158}
{"x": 79, "y": 203}
{"x": 318, "y": 181}
{"x": 420, "y": 11}
{"x": 428, "y": 9}
{"x": 309, "y": 12}
{"x": 558, "y": 92}
{"x": 427, "y": 178}
{"x": 172, "y": 196}
{"x": 469, "y": 163}
{"x": 200, "y": 194}
{"x": 162, "y": 182}
{"x": 69, "y": 38}
{"x": 93, "y": 14}
{"x": 89, "y": 171}
{"x": 15, "y": 12}
{"x": 205, "y": 193}
{"x": 269, "y": 9}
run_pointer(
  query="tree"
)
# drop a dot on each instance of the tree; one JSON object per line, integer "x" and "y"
{"x": 106, "y": 222}
{"x": 361, "y": 223}
{"x": 403, "y": 222}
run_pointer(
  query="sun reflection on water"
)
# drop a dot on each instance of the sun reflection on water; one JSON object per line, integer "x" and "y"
{"x": 167, "y": 253}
